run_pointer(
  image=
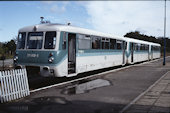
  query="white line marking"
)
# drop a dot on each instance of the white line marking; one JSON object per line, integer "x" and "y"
{"x": 138, "y": 97}
{"x": 32, "y": 91}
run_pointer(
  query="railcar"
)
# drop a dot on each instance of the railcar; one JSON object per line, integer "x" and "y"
{"x": 155, "y": 51}
{"x": 138, "y": 50}
{"x": 64, "y": 50}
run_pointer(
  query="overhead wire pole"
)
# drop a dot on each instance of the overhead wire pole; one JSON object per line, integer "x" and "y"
{"x": 164, "y": 34}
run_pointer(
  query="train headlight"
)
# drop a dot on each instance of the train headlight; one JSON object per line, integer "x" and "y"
{"x": 51, "y": 59}
{"x": 15, "y": 58}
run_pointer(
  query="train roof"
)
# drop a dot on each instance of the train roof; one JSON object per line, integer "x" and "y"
{"x": 73, "y": 29}
{"x": 67, "y": 28}
{"x": 141, "y": 41}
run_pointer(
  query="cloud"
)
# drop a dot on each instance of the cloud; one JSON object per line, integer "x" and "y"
{"x": 55, "y": 6}
{"x": 48, "y": 2}
{"x": 57, "y": 9}
{"x": 120, "y": 17}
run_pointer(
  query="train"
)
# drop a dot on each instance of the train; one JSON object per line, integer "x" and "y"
{"x": 60, "y": 50}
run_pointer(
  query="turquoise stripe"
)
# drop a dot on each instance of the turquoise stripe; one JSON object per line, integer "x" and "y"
{"x": 39, "y": 64}
{"x": 99, "y": 53}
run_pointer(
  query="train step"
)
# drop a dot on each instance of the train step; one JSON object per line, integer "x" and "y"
{"x": 71, "y": 63}
{"x": 71, "y": 68}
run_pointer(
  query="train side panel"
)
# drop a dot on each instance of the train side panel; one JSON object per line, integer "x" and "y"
{"x": 94, "y": 61}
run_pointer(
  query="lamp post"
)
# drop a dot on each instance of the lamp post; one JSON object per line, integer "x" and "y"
{"x": 164, "y": 34}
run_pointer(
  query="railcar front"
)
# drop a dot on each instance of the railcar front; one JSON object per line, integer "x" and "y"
{"x": 38, "y": 50}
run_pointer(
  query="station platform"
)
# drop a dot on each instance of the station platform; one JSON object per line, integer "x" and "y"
{"x": 155, "y": 100}
{"x": 138, "y": 88}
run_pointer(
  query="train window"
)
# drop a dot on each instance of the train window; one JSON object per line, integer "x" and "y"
{"x": 151, "y": 48}
{"x": 131, "y": 46}
{"x": 119, "y": 44}
{"x": 103, "y": 43}
{"x": 50, "y": 40}
{"x": 156, "y": 48}
{"x": 64, "y": 41}
{"x": 21, "y": 40}
{"x": 107, "y": 42}
{"x": 112, "y": 43}
{"x": 146, "y": 47}
{"x": 96, "y": 42}
{"x": 34, "y": 40}
{"x": 142, "y": 47}
{"x": 138, "y": 47}
{"x": 125, "y": 45}
{"x": 135, "y": 47}
{"x": 84, "y": 41}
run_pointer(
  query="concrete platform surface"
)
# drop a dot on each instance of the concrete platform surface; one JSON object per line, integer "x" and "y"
{"x": 109, "y": 93}
{"x": 156, "y": 100}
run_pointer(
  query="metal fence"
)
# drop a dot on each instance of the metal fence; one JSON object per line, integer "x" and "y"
{"x": 13, "y": 85}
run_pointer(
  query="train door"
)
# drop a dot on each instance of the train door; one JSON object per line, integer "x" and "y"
{"x": 71, "y": 53}
{"x": 124, "y": 48}
{"x": 132, "y": 51}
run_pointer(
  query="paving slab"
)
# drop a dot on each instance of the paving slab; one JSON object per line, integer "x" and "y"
{"x": 160, "y": 103}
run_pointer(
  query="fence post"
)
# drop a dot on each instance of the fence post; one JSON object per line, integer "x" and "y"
{"x": 26, "y": 82}
{"x": 0, "y": 89}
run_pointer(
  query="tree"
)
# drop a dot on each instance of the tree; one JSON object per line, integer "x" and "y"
{"x": 137, "y": 35}
{"x": 7, "y": 48}
{"x": 11, "y": 47}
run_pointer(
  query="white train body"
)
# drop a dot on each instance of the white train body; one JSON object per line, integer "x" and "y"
{"x": 148, "y": 51}
{"x": 61, "y": 50}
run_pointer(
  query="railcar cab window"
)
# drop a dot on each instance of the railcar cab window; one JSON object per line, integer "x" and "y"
{"x": 21, "y": 40}
{"x": 64, "y": 41}
{"x": 84, "y": 41}
{"x": 50, "y": 40}
{"x": 96, "y": 42}
{"x": 34, "y": 40}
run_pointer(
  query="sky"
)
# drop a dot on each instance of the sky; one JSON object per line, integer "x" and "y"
{"x": 114, "y": 17}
